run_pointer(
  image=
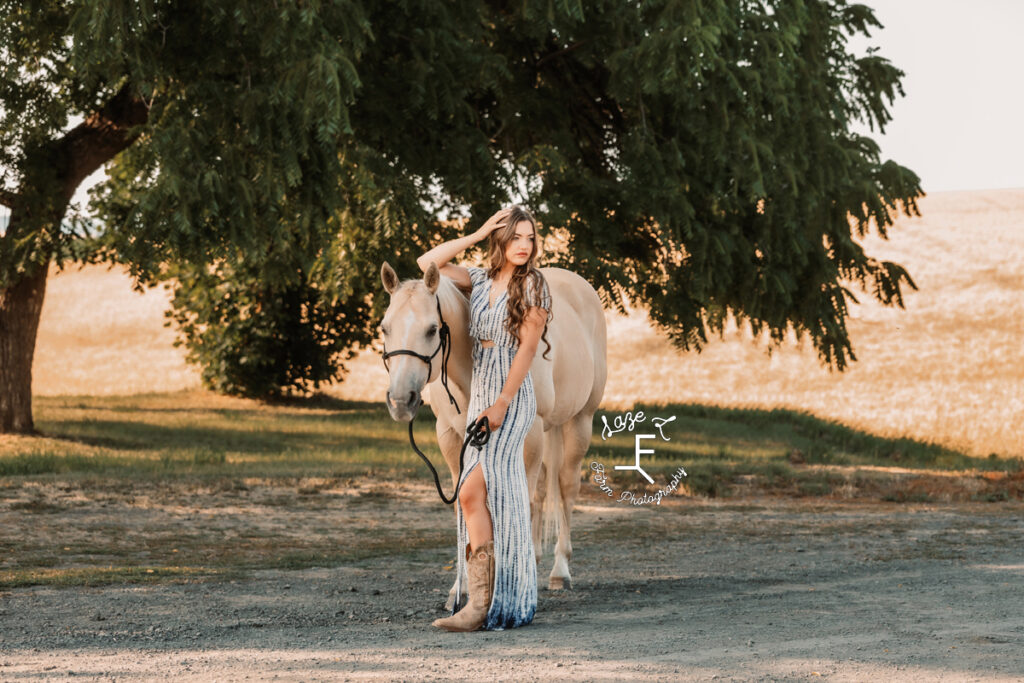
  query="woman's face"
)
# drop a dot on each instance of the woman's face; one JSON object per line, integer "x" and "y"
{"x": 520, "y": 248}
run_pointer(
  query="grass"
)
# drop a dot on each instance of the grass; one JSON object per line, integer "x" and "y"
{"x": 718, "y": 445}
{"x": 197, "y": 435}
{"x": 98, "y": 576}
{"x": 193, "y": 433}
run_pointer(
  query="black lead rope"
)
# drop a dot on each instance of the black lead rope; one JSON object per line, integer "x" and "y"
{"x": 476, "y": 436}
{"x": 477, "y": 433}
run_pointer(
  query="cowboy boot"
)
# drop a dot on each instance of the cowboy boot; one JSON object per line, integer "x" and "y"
{"x": 467, "y": 593}
{"x": 480, "y": 575}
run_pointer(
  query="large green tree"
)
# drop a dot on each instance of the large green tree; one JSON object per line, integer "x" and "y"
{"x": 226, "y": 117}
{"x": 699, "y": 155}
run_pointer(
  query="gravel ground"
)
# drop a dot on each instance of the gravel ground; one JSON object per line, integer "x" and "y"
{"x": 761, "y": 589}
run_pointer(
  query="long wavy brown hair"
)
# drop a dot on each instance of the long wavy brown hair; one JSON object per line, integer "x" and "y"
{"x": 517, "y": 285}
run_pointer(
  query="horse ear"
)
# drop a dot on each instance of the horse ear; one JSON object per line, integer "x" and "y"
{"x": 389, "y": 277}
{"x": 432, "y": 278}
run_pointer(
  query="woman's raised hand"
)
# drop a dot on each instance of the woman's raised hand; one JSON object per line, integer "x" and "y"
{"x": 493, "y": 223}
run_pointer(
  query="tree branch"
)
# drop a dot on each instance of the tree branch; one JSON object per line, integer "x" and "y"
{"x": 98, "y": 139}
{"x": 559, "y": 53}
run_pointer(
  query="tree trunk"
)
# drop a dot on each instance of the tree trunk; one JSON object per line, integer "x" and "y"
{"x": 54, "y": 172}
{"x": 20, "y": 306}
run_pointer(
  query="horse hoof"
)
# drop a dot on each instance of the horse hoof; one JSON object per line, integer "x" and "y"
{"x": 557, "y": 583}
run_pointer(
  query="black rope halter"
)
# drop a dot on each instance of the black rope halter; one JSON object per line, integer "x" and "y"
{"x": 477, "y": 434}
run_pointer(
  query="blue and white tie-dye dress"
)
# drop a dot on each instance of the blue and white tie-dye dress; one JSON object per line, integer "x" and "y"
{"x": 508, "y": 495}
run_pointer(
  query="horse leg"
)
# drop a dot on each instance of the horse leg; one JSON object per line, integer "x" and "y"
{"x": 533, "y": 457}
{"x": 575, "y": 443}
{"x": 451, "y": 445}
{"x": 554, "y": 510}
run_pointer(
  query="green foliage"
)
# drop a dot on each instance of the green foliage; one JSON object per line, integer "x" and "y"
{"x": 260, "y": 336}
{"x": 696, "y": 154}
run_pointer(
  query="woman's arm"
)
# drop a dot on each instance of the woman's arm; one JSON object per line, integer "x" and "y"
{"x": 529, "y": 338}
{"x": 446, "y": 251}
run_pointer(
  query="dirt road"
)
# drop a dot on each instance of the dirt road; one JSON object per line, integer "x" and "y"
{"x": 691, "y": 589}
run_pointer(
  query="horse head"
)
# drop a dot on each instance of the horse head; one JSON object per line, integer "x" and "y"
{"x": 417, "y": 337}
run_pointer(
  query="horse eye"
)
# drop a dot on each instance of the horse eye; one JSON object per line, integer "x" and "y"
{"x": 432, "y": 330}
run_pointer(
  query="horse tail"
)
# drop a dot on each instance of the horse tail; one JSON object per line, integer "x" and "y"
{"x": 553, "y": 512}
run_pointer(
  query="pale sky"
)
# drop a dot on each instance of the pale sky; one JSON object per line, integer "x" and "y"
{"x": 959, "y": 126}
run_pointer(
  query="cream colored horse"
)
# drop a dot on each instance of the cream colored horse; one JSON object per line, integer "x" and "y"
{"x": 569, "y": 386}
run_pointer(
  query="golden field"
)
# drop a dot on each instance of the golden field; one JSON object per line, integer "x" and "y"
{"x": 948, "y": 369}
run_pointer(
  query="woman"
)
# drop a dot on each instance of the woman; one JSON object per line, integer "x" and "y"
{"x": 510, "y": 305}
